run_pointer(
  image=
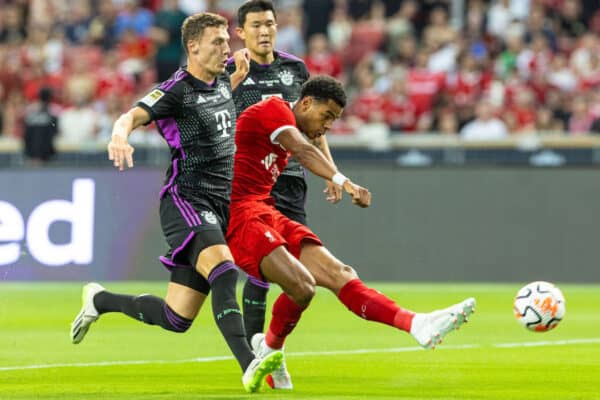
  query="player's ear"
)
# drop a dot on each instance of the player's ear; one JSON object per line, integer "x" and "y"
{"x": 240, "y": 33}
{"x": 306, "y": 103}
{"x": 193, "y": 46}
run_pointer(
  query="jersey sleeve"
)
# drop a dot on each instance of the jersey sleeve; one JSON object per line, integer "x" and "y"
{"x": 161, "y": 103}
{"x": 278, "y": 117}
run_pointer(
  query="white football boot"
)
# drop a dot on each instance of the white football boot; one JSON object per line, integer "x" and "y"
{"x": 259, "y": 368}
{"x": 429, "y": 329}
{"x": 88, "y": 312}
{"x": 280, "y": 378}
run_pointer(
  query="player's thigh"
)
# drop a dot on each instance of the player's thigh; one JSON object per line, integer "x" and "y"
{"x": 281, "y": 267}
{"x": 207, "y": 250}
{"x": 184, "y": 300}
{"x": 328, "y": 271}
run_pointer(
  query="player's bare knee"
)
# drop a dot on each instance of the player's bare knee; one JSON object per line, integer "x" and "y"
{"x": 348, "y": 272}
{"x": 340, "y": 274}
{"x": 303, "y": 292}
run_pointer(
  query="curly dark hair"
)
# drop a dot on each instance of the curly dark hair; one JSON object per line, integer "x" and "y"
{"x": 323, "y": 87}
{"x": 254, "y": 6}
{"x": 194, "y": 25}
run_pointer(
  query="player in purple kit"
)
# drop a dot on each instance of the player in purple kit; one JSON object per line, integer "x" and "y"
{"x": 195, "y": 114}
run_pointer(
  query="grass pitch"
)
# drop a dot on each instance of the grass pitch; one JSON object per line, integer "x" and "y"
{"x": 331, "y": 355}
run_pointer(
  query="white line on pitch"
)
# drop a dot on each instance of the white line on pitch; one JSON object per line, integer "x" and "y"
{"x": 305, "y": 354}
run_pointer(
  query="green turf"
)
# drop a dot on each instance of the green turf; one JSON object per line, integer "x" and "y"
{"x": 34, "y": 322}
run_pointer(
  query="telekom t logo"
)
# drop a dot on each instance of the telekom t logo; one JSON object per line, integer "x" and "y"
{"x": 79, "y": 213}
{"x": 223, "y": 121}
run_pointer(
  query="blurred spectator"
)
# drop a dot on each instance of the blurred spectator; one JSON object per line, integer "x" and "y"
{"x": 571, "y": 22}
{"x": 539, "y": 25}
{"x": 581, "y": 58}
{"x": 103, "y": 30}
{"x": 446, "y": 122}
{"x": 485, "y": 126}
{"x": 521, "y": 115}
{"x": 595, "y": 128}
{"x": 166, "y": 34}
{"x": 111, "y": 80}
{"x": 12, "y": 28}
{"x": 400, "y": 112}
{"x": 400, "y": 25}
{"x": 560, "y": 75}
{"x": 134, "y": 19}
{"x": 317, "y": 14}
{"x": 81, "y": 83}
{"x": 580, "y": 121}
{"x": 423, "y": 85}
{"x": 78, "y": 21}
{"x": 78, "y": 124}
{"x": 321, "y": 59}
{"x": 13, "y": 115}
{"x": 439, "y": 32}
{"x": 339, "y": 29}
{"x": 546, "y": 122}
{"x": 368, "y": 104}
{"x": 368, "y": 35}
{"x": 289, "y": 32}
{"x": 40, "y": 129}
{"x": 499, "y": 17}
{"x": 135, "y": 53}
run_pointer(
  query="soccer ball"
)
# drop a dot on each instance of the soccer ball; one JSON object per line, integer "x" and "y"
{"x": 539, "y": 306}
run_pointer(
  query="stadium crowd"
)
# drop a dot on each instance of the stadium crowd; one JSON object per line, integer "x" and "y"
{"x": 450, "y": 67}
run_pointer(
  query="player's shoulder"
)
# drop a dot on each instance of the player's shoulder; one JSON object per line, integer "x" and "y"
{"x": 287, "y": 61}
{"x": 175, "y": 81}
{"x": 270, "y": 107}
{"x": 275, "y": 102}
{"x": 289, "y": 58}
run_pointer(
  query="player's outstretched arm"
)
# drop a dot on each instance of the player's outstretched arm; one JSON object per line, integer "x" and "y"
{"x": 312, "y": 159}
{"x": 120, "y": 152}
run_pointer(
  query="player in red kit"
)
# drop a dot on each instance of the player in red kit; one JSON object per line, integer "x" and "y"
{"x": 271, "y": 247}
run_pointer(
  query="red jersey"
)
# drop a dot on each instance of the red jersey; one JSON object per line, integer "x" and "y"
{"x": 259, "y": 159}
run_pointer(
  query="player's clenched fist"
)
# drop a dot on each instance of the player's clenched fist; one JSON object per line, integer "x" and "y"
{"x": 360, "y": 195}
{"x": 120, "y": 152}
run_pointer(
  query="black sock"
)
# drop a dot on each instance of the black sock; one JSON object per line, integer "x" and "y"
{"x": 254, "y": 306}
{"x": 149, "y": 309}
{"x": 226, "y": 311}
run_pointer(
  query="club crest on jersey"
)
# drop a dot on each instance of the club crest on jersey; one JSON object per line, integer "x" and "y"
{"x": 286, "y": 77}
{"x": 209, "y": 217}
{"x": 269, "y": 160}
{"x": 224, "y": 91}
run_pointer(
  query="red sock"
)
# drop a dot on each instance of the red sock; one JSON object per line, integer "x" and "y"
{"x": 372, "y": 305}
{"x": 286, "y": 314}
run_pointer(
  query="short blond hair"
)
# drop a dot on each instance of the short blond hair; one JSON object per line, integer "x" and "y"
{"x": 194, "y": 25}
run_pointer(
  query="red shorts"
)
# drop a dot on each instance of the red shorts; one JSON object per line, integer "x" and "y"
{"x": 257, "y": 228}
